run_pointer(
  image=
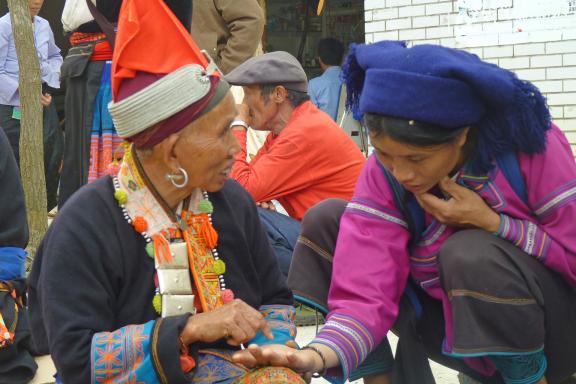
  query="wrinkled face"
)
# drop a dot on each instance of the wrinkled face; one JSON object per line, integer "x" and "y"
{"x": 207, "y": 147}
{"x": 35, "y": 6}
{"x": 262, "y": 112}
{"x": 417, "y": 168}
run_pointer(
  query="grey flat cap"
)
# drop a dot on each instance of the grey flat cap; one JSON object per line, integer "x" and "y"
{"x": 271, "y": 68}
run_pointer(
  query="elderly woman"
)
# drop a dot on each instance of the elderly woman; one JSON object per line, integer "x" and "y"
{"x": 159, "y": 273}
{"x": 467, "y": 205}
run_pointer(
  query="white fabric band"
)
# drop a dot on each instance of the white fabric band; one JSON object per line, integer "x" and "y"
{"x": 160, "y": 100}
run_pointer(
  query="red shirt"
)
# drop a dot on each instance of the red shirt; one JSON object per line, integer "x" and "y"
{"x": 311, "y": 160}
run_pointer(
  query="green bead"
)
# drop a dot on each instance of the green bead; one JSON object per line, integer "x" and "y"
{"x": 121, "y": 196}
{"x": 205, "y": 206}
{"x": 219, "y": 267}
{"x": 157, "y": 303}
{"x": 150, "y": 249}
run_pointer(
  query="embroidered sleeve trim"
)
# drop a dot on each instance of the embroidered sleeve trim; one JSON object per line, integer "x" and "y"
{"x": 556, "y": 199}
{"x": 351, "y": 341}
{"x": 364, "y": 209}
{"x": 525, "y": 235}
{"x": 122, "y": 355}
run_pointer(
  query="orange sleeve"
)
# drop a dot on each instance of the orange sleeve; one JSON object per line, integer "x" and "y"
{"x": 276, "y": 171}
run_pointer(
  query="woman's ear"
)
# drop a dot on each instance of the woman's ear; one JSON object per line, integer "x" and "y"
{"x": 167, "y": 151}
{"x": 462, "y": 137}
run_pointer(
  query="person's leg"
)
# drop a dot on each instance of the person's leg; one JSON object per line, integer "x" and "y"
{"x": 11, "y": 128}
{"x": 80, "y": 95}
{"x": 507, "y": 306}
{"x": 53, "y": 146}
{"x": 282, "y": 232}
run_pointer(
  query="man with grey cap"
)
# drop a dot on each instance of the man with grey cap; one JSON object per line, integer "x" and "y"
{"x": 306, "y": 158}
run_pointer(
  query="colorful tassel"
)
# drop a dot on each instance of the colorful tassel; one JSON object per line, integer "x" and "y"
{"x": 161, "y": 249}
{"x": 206, "y": 230}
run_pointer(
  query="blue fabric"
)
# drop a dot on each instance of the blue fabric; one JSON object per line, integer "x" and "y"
{"x": 280, "y": 318}
{"x": 521, "y": 369}
{"x": 12, "y": 261}
{"x": 449, "y": 88}
{"x": 283, "y": 232}
{"x": 324, "y": 91}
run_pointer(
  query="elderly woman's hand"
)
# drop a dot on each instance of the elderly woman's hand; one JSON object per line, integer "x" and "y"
{"x": 305, "y": 362}
{"x": 465, "y": 208}
{"x": 237, "y": 322}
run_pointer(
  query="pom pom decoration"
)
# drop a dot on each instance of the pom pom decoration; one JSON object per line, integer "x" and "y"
{"x": 140, "y": 224}
{"x": 121, "y": 196}
{"x": 150, "y": 249}
{"x": 205, "y": 206}
{"x": 219, "y": 267}
{"x": 227, "y": 296}
{"x": 113, "y": 168}
{"x": 157, "y": 303}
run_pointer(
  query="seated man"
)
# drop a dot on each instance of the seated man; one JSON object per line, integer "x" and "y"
{"x": 324, "y": 90}
{"x": 159, "y": 273}
{"x": 306, "y": 158}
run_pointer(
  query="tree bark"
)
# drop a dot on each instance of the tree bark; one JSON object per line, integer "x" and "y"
{"x": 31, "y": 127}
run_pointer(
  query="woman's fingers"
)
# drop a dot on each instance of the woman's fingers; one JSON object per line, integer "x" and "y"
{"x": 256, "y": 320}
{"x": 246, "y": 358}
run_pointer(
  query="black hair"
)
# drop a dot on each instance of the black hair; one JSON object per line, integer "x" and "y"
{"x": 295, "y": 97}
{"x": 410, "y": 131}
{"x": 330, "y": 51}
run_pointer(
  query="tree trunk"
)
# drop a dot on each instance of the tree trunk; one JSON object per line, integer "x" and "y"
{"x": 31, "y": 128}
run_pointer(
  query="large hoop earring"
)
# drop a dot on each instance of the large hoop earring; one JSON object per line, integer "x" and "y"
{"x": 172, "y": 178}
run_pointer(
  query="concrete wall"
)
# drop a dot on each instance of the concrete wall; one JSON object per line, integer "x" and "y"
{"x": 535, "y": 38}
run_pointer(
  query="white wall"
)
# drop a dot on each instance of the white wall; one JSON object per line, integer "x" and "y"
{"x": 535, "y": 38}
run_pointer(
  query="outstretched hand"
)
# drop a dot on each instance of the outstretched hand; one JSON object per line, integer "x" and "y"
{"x": 305, "y": 362}
{"x": 464, "y": 208}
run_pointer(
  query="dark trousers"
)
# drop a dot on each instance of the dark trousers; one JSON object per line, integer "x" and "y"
{"x": 53, "y": 145}
{"x": 502, "y": 300}
{"x": 82, "y": 83}
{"x": 282, "y": 233}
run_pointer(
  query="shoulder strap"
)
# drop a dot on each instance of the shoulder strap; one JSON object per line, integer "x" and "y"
{"x": 107, "y": 27}
{"x": 407, "y": 204}
{"x": 508, "y": 164}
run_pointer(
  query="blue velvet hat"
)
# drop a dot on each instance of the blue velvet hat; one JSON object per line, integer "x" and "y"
{"x": 449, "y": 88}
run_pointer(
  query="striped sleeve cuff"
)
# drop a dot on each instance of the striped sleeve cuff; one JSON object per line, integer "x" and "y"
{"x": 526, "y": 235}
{"x": 348, "y": 338}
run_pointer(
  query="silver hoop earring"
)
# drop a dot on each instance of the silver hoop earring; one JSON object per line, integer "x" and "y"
{"x": 172, "y": 178}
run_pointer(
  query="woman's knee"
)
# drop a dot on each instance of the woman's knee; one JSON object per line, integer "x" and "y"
{"x": 326, "y": 212}
{"x": 466, "y": 251}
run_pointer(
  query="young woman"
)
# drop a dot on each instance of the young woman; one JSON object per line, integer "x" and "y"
{"x": 468, "y": 204}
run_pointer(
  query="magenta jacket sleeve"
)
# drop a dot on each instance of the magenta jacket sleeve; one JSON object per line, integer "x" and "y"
{"x": 551, "y": 185}
{"x": 370, "y": 271}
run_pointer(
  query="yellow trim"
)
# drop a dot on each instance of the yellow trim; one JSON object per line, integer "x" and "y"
{"x": 489, "y": 298}
{"x": 153, "y": 347}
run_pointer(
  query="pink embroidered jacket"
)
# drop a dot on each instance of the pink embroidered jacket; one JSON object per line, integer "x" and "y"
{"x": 372, "y": 263}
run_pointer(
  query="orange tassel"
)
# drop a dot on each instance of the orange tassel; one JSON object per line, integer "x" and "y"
{"x": 208, "y": 232}
{"x": 162, "y": 249}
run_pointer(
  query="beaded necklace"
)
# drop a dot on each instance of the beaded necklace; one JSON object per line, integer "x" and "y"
{"x": 168, "y": 234}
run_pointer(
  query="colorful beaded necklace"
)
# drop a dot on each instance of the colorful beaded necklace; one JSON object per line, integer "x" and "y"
{"x": 162, "y": 228}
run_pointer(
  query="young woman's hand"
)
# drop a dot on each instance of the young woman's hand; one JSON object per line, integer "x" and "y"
{"x": 465, "y": 208}
{"x": 305, "y": 362}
